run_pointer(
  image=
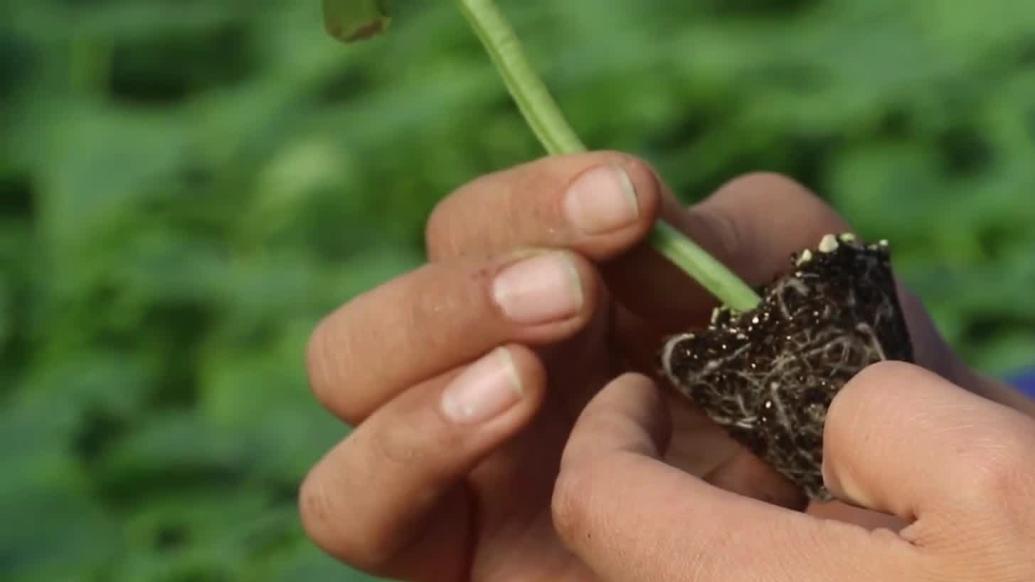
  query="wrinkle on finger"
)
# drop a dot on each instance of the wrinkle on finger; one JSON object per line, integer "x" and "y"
{"x": 629, "y": 516}
{"x": 525, "y": 207}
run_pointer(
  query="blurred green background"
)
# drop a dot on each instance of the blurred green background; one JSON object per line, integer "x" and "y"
{"x": 187, "y": 185}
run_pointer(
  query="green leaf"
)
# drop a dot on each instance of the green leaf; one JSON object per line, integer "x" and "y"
{"x": 352, "y": 20}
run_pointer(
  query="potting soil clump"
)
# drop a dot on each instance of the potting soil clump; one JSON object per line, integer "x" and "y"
{"x": 768, "y": 375}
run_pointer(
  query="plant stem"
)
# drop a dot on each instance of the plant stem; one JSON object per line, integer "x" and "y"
{"x": 557, "y": 136}
{"x": 704, "y": 268}
{"x": 528, "y": 90}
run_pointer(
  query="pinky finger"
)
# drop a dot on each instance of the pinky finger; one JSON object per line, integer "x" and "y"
{"x": 372, "y": 499}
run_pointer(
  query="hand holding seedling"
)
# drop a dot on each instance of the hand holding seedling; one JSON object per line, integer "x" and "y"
{"x": 545, "y": 281}
{"x": 957, "y": 468}
{"x": 464, "y": 377}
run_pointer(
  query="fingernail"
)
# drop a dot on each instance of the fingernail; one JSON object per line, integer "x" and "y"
{"x": 602, "y": 199}
{"x": 539, "y": 289}
{"x": 484, "y": 390}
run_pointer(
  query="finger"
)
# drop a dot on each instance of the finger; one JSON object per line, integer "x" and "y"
{"x": 631, "y": 517}
{"x": 752, "y": 225}
{"x": 371, "y": 499}
{"x": 626, "y": 416}
{"x": 598, "y": 203}
{"x": 440, "y": 316}
{"x": 703, "y": 448}
{"x": 902, "y": 440}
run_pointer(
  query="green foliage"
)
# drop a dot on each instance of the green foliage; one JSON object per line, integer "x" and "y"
{"x": 187, "y": 186}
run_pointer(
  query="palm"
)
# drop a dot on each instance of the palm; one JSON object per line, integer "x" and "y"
{"x": 512, "y": 488}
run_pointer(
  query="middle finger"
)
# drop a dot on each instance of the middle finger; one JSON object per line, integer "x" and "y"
{"x": 440, "y": 316}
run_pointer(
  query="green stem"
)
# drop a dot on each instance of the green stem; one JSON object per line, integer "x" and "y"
{"x": 557, "y": 136}
{"x": 532, "y": 97}
{"x": 704, "y": 268}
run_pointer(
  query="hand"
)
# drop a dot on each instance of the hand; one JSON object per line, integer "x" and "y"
{"x": 959, "y": 469}
{"x": 464, "y": 377}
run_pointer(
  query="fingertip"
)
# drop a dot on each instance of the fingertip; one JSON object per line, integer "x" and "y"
{"x": 321, "y": 505}
{"x": 544, "y": 296}
{"x": 598, "y": 203}
{"x": 610, "y": 202}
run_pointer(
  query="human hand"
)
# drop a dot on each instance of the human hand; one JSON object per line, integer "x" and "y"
{"x": 959, "y": 469}
{"x": 464, "y": 377}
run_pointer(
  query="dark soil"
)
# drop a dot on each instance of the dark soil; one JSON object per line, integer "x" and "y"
{"x": 769, "y": 375}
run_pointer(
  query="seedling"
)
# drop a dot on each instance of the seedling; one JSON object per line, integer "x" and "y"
{"x": 767, "y": 367}
{"x": 350, "y": 20}
{"x": 769, "y": 374}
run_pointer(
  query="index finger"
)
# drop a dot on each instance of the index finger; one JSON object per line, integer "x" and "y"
{"x": 602, "y": 204}
{"x": 631, "y": 517}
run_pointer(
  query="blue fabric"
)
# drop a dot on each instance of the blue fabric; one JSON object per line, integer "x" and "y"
{"x": 1025, "y": 381}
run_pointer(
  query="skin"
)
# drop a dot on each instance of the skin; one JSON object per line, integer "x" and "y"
{"x": 964, "y": 484}
{"x": 411, "y": 494}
